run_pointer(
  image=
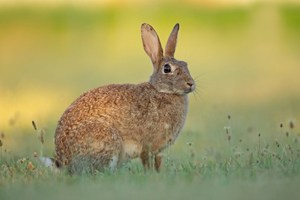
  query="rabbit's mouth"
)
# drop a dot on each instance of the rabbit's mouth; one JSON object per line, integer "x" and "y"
{"x": 190, "y": 87}
{"x": 184, "y": 91}
{"x": 189, "y": 90}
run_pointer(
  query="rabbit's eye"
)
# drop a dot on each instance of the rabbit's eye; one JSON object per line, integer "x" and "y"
{"x": 167, "y": 68}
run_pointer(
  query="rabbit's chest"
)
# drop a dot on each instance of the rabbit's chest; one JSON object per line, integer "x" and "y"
{"x": 166, "y": 130}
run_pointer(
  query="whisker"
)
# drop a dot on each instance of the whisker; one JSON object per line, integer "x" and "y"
{"x": 199, "y": 76}
{"x": 199, "y": 86}
{"x": 196, "y": 94}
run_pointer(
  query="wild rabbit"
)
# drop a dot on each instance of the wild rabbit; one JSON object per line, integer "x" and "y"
{"x": 109, "y": 125}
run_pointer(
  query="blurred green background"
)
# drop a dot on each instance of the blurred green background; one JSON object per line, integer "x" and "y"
{"x": 244, "y": 56}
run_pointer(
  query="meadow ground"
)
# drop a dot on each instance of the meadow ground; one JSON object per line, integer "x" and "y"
{"x": 242, "y": 136}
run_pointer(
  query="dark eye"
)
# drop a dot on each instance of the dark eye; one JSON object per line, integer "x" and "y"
{"x": 167, "y": 68}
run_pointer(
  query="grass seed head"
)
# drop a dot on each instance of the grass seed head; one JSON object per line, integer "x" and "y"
{"x": 228, "y": 116}
{"x": 229, "y": 137}
{"x": 30, "y": 166}
{"x": 227, "y": 129}
{"x": 22, "y": 160}
{"x": 292, "y": 125}
{"x": 34, "y": 125}
{"x": 281, "y": 125}
{"x": 41, "y": 135}
{"x": 189, "y": 143}
{"x": 277, "y": 143}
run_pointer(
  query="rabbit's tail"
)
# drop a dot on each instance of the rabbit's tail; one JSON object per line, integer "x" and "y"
{"x": 50, "y": 163}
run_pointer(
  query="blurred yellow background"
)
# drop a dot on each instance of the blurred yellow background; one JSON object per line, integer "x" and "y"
{"x": 245, "y": 56}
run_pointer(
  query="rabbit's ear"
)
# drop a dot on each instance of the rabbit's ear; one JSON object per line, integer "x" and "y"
{"x": 171, "y": 44}
{"x": 151, "y": 43}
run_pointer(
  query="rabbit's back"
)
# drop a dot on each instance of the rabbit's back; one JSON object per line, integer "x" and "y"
{"x": 140, "y": 116}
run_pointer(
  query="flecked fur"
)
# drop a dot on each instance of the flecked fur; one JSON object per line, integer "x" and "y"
{"x": 111, "y": 124}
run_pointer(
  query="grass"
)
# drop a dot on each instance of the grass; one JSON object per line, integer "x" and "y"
{"x": 49, "y": 56}
{"x": 263, "y": 169}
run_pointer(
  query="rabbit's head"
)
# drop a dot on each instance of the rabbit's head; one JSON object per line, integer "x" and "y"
{"x": 169, "y": 75}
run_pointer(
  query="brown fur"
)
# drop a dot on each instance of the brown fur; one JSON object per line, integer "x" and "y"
{"x": 111, "y": 124}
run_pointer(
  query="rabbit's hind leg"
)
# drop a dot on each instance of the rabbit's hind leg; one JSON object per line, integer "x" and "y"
{"x": 147, "y": 161}
{"x": 99, "y": 148}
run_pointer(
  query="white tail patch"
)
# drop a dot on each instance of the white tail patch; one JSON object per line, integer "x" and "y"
{"x": 47, "y": 162}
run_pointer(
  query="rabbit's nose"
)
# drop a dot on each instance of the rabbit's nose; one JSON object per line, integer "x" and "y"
{"x": 190, "y": 84}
